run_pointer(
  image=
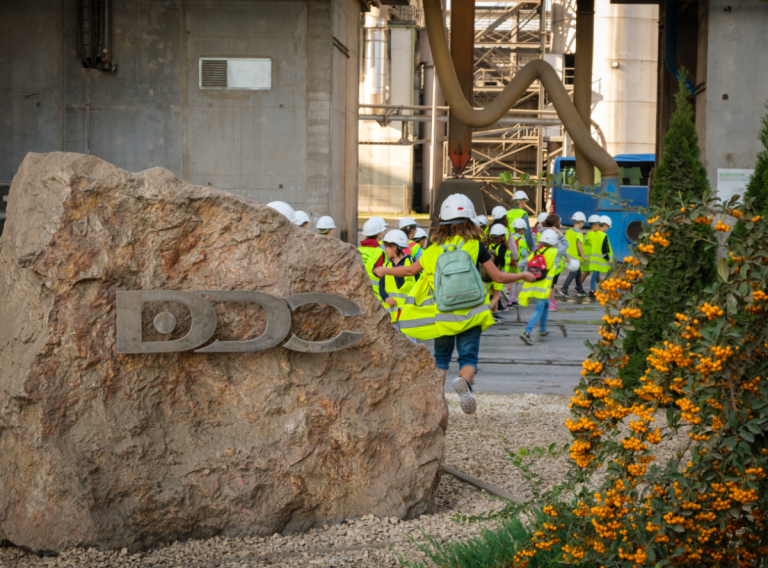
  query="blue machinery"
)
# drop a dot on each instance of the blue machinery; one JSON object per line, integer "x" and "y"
{"x": 633, "y": 178}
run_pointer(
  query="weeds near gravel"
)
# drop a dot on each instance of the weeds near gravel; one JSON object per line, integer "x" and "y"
{"x": 490, "y": 549}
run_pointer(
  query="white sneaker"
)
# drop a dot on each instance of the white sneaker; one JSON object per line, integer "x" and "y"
{"x": 466, "y": 400}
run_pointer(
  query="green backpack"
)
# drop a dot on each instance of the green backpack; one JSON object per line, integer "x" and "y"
{"x": 458, "y": 285}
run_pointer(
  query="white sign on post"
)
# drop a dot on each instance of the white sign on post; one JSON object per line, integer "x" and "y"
{"x": 732, "y": 182}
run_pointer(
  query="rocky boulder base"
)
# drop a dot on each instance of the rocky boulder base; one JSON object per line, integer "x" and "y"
{"x": 110, "y": 451}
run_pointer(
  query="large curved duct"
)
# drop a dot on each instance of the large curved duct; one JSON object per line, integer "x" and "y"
{"x": 582, "y": 84}
{"x": 538, "y": 69}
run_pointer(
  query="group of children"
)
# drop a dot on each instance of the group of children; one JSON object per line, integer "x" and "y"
{"x": 324, "y": 225}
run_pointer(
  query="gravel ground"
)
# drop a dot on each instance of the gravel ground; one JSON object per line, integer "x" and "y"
{"x": 476, "y": 445}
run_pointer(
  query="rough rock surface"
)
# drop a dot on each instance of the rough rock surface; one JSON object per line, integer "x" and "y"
{"x": 110, "y": 451}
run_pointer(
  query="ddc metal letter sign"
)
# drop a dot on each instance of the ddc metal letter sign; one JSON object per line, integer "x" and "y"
{"x": 204, "y": 322}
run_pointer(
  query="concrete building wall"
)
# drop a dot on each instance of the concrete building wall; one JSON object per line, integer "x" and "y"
{"x": 296, "y": 142}
{"x": 624, "y": 103}
{"x": 736, "y": 84}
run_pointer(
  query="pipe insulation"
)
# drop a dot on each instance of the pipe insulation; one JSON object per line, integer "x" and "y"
{"x": 515, "y": 89}
{"x": 582, "y": 83}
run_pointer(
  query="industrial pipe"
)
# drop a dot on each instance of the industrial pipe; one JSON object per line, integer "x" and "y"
{"x": 582, "y": 83}
{"x": 537, "y": 69}
{"x": 376, "y": 63}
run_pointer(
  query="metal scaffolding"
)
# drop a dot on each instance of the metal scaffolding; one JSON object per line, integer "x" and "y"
{"x": 507, "y": 36}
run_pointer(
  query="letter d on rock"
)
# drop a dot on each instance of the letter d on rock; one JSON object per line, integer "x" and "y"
{"x": 129, "y": 321}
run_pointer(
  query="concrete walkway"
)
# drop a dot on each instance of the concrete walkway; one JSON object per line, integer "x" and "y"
{"x": 551, "y": 366}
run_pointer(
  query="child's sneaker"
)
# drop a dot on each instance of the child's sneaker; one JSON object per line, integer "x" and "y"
{"x": 592, "y": 295}
{"x": 497, "y": 318}
{"x": 502, "y": 307}
{"x": 552, "y": 306}
{"x": 562, "y": 292}
{"x": 581, "y": 293}
{"x": 513, "y": 303}
{"x": 464, "y": 390}
{"x": 526, "y": 337}
{"x": 543, "y": 333}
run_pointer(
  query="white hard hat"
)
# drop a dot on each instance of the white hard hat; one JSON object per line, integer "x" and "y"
{"x": 396, "y": 237}
{"x": 482, "y": 220}
{"x": 498, "y": 213}
{"x": 283, "y": 208}
{"x": 594, "y": 219}
{"x": 325, "y": 223}
{"x": 374, "y": 226}
{"x": 498, "y": 230}
{"x": 407, "y": 222}
{"x": 300, "y": 218}
{"x": 549, "y": 237}
{"x": 519, "y": 223}
{"x": 520, "y": 195}
{"x": 573, "y": 264}
{"x": 579, "y": 216}
{"x": 606, "y": 220}
{"x": 457, "y": 206}
{"x": 543, "y": 216}
{"x": 420, "y": 234}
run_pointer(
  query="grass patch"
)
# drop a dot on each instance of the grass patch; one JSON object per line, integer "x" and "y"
{"x": 490, "y": 549}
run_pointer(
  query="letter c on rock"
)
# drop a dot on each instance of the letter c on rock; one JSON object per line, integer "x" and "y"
{"x": 342, "y": 341}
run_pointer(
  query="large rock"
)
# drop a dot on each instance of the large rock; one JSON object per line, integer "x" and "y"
{"x": 107, "y": 450}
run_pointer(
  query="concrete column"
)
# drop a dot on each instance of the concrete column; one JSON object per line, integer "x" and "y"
{"x": 429, "y": 96}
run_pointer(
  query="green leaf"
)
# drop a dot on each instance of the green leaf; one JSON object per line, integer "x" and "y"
{"x": 722, "y": 268}
{"x": 754, "y": 426}
{"x": 732, "y": 305}
{"x": 748, "y": 436}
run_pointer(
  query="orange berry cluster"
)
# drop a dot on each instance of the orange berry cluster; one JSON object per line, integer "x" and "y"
{"x": 632, "y": 260}
{"x": 659, "y": 239}
{"x": 595, "y": 367}
{"x": 736, "y": 213}
{"x": 722, "y": 227}
{"x": 647, "y": 249}
{"x": 689, "y": 411}
{"x": 634, "y": 274}
{"x": 710, "y": 311}
{"x": 759, "y": 296}
{"x": 704, "y": 220}
{"x": 631, "y": 313}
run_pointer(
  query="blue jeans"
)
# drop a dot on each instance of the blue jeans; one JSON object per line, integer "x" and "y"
{"x": 593, "y": 286}
{"x": 541, "y": 312}
{"x": 467, "y": 343}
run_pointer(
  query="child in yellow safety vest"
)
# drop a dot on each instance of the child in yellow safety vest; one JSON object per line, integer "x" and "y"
{"x": 393, "y": 289}
{"x": 497, "y": 244}
{"x": 459, "y": 327}
{"x": 553, "y": 222}
{"x": 521, "y": 252}
{"x": 594, "y": 227}
{"x": 575, "y": 239}
{"x": 483, "y": 223}
{"x": 601, "y": 253}
{"x": 374, "y": 230}
{"x": 540, "y": 289}
{"x": 408, "y": 225}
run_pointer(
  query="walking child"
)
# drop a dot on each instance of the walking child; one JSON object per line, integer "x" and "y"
{"x": 421, "y": 238}
{"x": 594, "y": 227}
{"x": 519, "y": 227}
{"x": 456, "y": 311}
{"x": 602, "y": 253}
{"x": 325, "y": 226}
{"x": 553, "y": 222}
{"x": 503, "y": 260}
{"x": 371, "y": 250}
{"x": 394, "y": 289}
{"x": 542, "y": 265}
{"x": 575, "y": 250}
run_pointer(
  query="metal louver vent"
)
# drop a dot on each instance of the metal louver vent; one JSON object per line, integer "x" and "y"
{"x": 213, "y": 73}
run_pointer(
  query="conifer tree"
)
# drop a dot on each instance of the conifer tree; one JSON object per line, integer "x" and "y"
{"x": 684, "y": 268}
{"x": 757, "y": 188}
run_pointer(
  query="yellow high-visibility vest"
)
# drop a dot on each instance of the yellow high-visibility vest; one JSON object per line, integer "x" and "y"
{"x": 587, "y": 247}
{"x": 370, "y": 257}
{"x": 399, "y": 295}
{"x": 513, "y": 214}
{"x": 597, "y": 261}
{"x": 522, "y": 250}
{"x": 419, "y": 316}
{"x": 540, "y": 290}
{"x": 506, "y": 268}
{"x": 574, "y": 237}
